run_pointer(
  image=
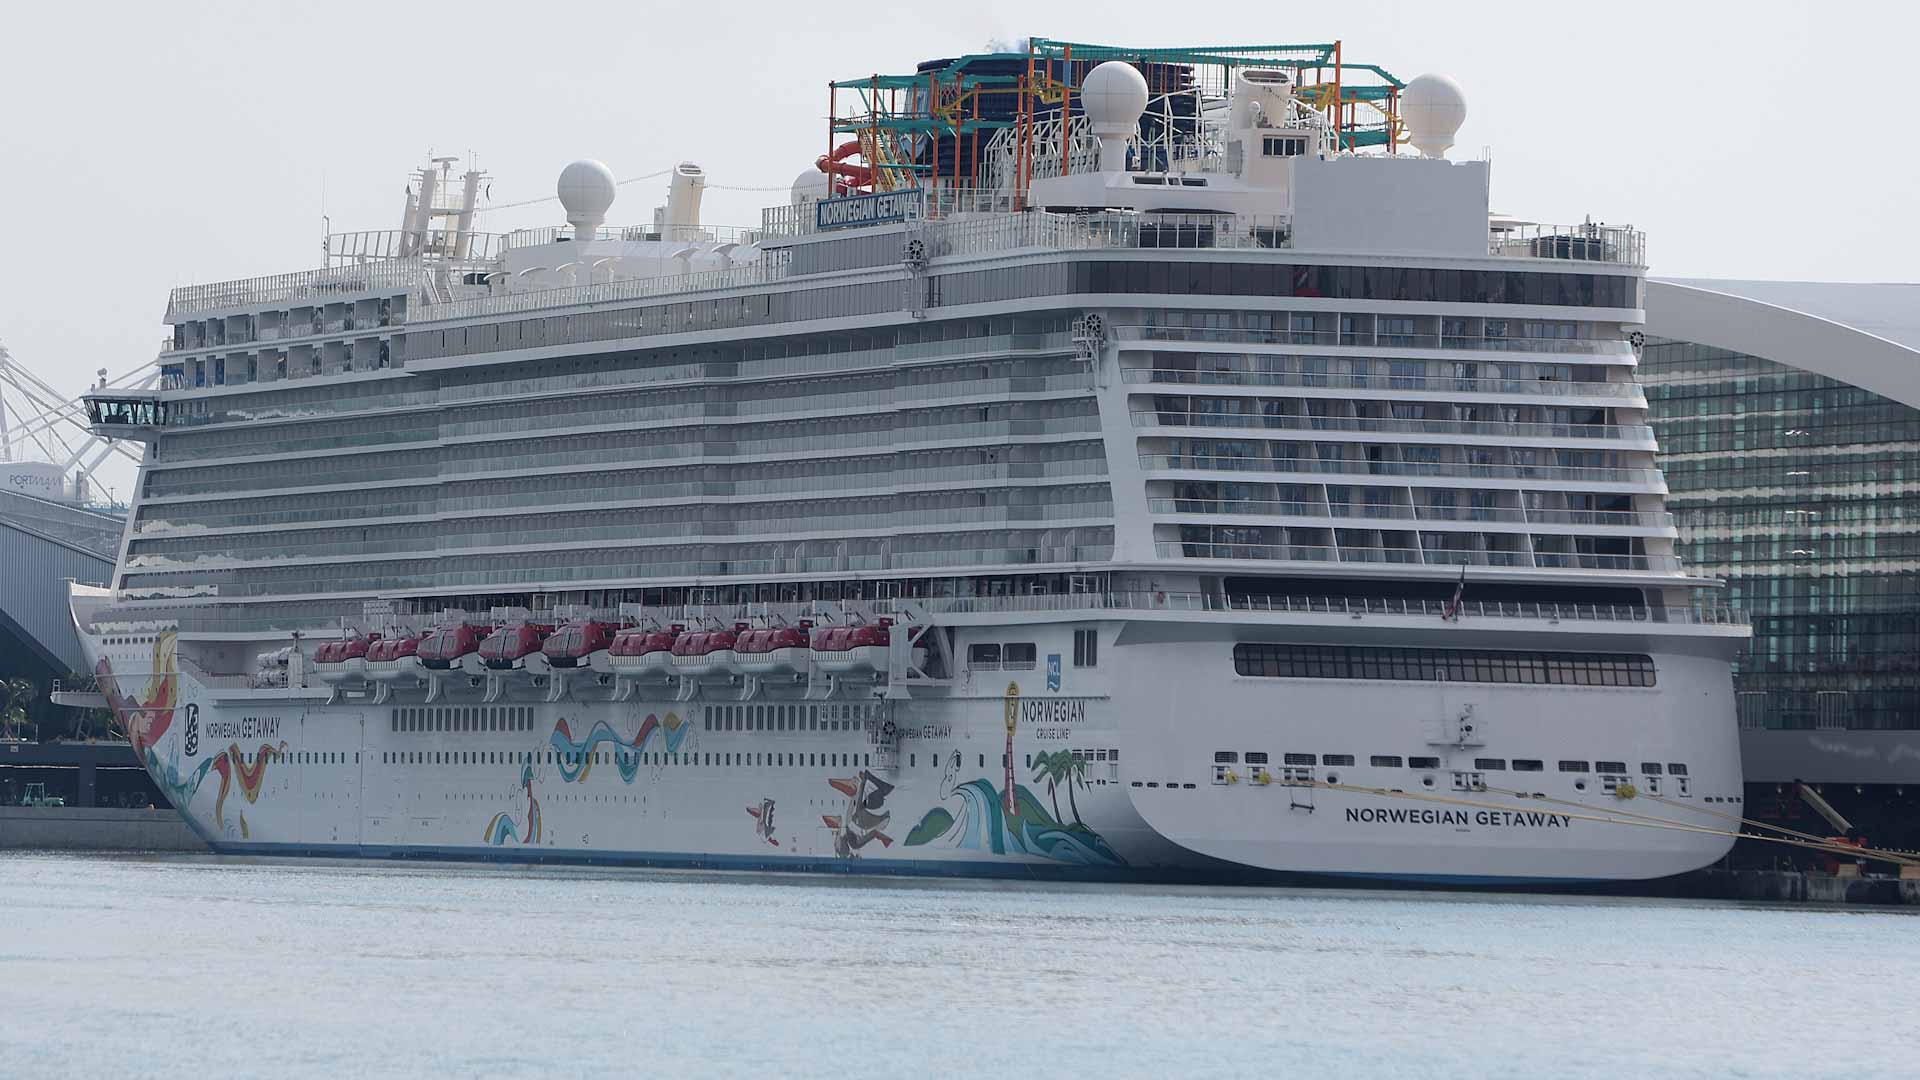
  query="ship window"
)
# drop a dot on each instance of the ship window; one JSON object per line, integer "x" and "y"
{"x": 1385, "y": 761}
{"x": 1573, "y": 766}
{"x": 1651, "y": 768}
{"x": 1527, "y": 765}
{"x": 1298, "y": 759}
{"x": 1490, "y": 764}
{"x": 1225, "y": 757}
{"x": 1086, "y": 648}
{"x": 1337, "y": 759}
{"x": 1019, "y": 655}
{"x": 1254, "y": 757}
{"x": 1676, "y": 769}
{"x": 1610, "y": 766}
{"x": 1423, "y": 763}
{"x": 1453, "y": 665}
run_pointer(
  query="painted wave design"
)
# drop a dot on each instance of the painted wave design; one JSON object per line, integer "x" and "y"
{"x": 574, "y": 759}
{"x": 984, "y": 826}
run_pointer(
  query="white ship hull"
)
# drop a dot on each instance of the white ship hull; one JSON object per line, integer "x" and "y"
{"x": 829, "y": 785}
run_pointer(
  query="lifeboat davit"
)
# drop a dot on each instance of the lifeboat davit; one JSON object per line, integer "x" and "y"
{"x": 343, "y": 659}
{"x": 638, "y": 651}
{"x": 576, "y": 644}
{"x": 507, "y": 648}
{"x": 394, "y": 658}
{"x": 705, "y": 651}
{"x": 444, "y": 647}
{"x": 773, "y": 652}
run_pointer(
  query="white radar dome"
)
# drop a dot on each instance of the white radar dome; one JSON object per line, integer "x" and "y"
{"x": 1433, "y": 107}
{"x": 811, "y": 184}
{"x": 1114, "y": 94}
{"x": 586, "y": 191}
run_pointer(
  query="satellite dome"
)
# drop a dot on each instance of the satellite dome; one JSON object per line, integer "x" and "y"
{"x": 1114, "y": 94}
{"x": 586, "y": 192}
{"x": 810, "y": 184}
{"x": 1434, "y": 108}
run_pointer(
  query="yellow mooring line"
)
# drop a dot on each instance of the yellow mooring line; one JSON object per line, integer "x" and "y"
{"x": 1628, "y": 817}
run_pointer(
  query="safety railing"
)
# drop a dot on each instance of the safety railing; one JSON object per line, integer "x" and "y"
{"x": 1577, "y": 243}
{"x": 1629, "y": 519}
{"x": 1546, "y": 560}
{"x": 1361, "y": 467}
{"x": 1160, "y": 418}
{"x": 1372, "y": 339}
{"x": 1627, "y": 392}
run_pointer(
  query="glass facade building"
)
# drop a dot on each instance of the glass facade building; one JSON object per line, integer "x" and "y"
{"x": 1803, "y": 492}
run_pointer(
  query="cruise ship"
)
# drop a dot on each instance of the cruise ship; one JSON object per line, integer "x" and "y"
{"x": 1133, "y": 464}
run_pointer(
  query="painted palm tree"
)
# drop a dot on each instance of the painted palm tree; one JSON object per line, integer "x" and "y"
{"x": 1076, "y": 770}
{"x": 1050, "y": 767}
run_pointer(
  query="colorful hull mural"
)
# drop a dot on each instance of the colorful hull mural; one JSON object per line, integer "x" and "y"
{"x": 979, "y": 822}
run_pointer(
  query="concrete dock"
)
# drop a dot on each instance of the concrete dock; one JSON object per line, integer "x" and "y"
{"x": 95, "y": 828}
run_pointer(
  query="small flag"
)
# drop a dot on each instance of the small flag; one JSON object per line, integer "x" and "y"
{"x": 1451, "y": 612}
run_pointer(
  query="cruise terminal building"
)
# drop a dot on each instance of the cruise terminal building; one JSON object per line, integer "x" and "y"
{"x": 1788, "y": 417}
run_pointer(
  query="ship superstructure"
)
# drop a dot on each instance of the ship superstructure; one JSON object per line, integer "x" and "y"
{"x": 1121, "y": 461}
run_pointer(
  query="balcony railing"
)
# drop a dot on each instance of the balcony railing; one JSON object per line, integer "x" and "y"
{"x": 414, "y": 277}
{"x": 1433, "y": 384}
{"x": 1318, "y": 605}
{"x": 1180, "y": 549}
{"x": 1437, "y": 470}
{"x": 1620, "y": 519}
{"x": 1157, "y": 418}
{"x": 1370, "y": 339}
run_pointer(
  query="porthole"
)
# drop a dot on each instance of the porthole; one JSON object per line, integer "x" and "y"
{"x": 1426, "y": 781}
{"x": 1579, "y": 785}
{"x": 1333, "y": 778}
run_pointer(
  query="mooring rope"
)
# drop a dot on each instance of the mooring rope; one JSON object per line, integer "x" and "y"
{"x": 1604, "y": 816}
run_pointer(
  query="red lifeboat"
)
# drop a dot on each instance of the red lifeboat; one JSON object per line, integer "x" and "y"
{"x": 392, "y": 658}
{"x": 704, "y": 651}
{"x": 507, "y": 648}
{"x": 574, "y": 644}
{"x": 643, "y": 650}
{"x": 771, "y": 652}
{"x": 444, "y": 646}
{"x": 337, "y": 660}
{"x": 863, "y": 648}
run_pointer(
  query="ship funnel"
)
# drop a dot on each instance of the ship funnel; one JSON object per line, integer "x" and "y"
{"x": 683, "y": 200}
{"x": 1114, "y": 94}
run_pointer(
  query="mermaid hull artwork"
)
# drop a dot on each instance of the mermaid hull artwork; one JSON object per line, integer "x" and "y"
{"x": 1164, "y": 764}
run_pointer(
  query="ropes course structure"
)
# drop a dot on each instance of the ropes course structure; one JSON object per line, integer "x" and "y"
{"x": 40, "y": 423}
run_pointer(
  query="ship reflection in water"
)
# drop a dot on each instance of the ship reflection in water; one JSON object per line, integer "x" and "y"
{"x": 198, "y": 967}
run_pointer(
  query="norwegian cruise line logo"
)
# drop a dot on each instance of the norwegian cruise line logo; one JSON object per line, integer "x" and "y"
{"x": 192, "y": 737}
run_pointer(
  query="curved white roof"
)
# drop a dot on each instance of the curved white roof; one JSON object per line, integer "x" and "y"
{"x": 1867, "y": 335}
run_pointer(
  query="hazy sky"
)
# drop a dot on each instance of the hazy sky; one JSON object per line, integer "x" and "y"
{"x": 144, "y": 145}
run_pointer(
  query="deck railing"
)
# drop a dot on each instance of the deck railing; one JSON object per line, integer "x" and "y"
{"x": 1433, "y": 384}
{"x": 1165, "y": 418}
{"x": 1360, "y": 467}
{"x": 1443, "y": 557}
{"x": 1370, "y": 339}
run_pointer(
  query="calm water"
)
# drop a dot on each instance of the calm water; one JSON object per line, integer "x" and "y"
{"x": 116, "y": 967}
